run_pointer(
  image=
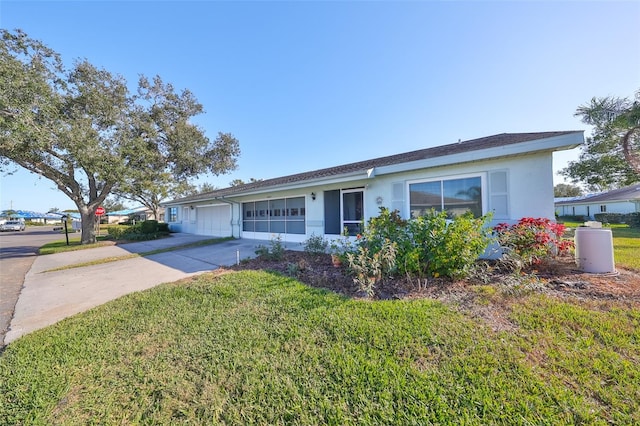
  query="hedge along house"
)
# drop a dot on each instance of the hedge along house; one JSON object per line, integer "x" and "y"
{"x": 509, "y": 174}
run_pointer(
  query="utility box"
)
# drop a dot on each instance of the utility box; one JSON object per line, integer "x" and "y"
{"x": 594, "y": 250}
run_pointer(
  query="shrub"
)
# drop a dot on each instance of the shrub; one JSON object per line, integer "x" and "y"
{"x": 140, "y": 231}
{"x": 371, "y": 267}
{"x": 633, "y": 219}
{"x": 388, "y": 225}
{"x": 445, "y": 247}
{"x": 149, "y": 226}
{"x": 430, "y": 245}
{"x": 316, "y": 244}
{"x": 275, "y": 251}
{"x": 530, "y": 241}
{"x": 117, "y": 232}
{"x": 610, "y": 217}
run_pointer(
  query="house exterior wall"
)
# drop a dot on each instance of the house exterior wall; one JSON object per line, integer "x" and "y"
{"x": 529, "y": 182}
{"x": 590, "y": 209}
{"x": 529, "y": 192}
{"x": 187, "y": 219}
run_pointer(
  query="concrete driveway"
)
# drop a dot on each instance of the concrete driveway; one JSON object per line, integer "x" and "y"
{"x": 48, "y": 297}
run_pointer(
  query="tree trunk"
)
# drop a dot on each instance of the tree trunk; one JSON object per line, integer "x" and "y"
{"x": 633, "y": 158}
{"x": 88, "y": 217}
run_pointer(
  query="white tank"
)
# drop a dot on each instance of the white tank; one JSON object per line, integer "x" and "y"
{"x": 594, "y": 250}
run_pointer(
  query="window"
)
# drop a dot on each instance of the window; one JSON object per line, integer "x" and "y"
{"x": 280, "y": 216}
{"x": 603, "y": 208}
{"x": 456, "y": 196}
{"x": 173, "y": 214}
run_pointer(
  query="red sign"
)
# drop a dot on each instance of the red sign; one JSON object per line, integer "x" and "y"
{"x": 100, "y": 211}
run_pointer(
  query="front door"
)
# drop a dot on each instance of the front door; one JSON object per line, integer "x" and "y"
{"x": 353, "y": 211}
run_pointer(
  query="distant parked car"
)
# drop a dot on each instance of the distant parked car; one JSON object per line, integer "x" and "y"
{"x": 12, "y": 225}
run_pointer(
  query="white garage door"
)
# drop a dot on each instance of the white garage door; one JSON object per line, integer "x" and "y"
{"x": 214, "y": 221}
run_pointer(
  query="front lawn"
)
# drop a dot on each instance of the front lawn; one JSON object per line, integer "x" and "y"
{"x": 259, "y": 348}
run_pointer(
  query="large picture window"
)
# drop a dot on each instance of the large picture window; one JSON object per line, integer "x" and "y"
{"x": 456, "y": 196}
{"x": 280, "y": 216}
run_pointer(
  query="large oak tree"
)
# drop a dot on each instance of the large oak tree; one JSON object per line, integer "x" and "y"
{"x": 81, "y": 128}
{"x": 611, "y": 156}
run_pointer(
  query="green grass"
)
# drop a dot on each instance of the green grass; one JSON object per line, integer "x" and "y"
{"x": 74, "y": 244}
{"x": 60, "y": 246}
{"x": 258, "y": 348}
{"x": 626, "y": 244}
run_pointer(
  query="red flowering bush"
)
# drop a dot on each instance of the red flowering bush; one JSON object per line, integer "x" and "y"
{"x": 533, "y": 240}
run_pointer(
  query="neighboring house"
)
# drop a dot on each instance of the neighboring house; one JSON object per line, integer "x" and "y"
{"x": 509, "y": 174}
{"x": 623, "y": 200}
{"x": 137, "y": 214}
{"x": 31, "y": 216}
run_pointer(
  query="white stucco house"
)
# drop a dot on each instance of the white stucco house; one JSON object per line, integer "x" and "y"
{"x": 623, "y": 200}
{"x": 137, "y": 213}
{"x": 509, "y": 174}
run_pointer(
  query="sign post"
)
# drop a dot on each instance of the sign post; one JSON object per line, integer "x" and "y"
{"x": 99, "y": 212}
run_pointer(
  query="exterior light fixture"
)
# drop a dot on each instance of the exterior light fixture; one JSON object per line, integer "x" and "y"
{"x": 313, "y": 196}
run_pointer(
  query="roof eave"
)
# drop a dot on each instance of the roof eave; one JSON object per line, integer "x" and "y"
{"x": 556, "y": 143}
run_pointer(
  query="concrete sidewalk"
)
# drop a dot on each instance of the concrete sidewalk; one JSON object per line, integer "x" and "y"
{"x": 48, "y": 297}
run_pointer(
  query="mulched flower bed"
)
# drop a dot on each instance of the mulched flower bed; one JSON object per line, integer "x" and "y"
{"x": 560, "y": 278}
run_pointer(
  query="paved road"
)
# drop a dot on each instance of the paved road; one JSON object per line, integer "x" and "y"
{"x": 18, "y": 250}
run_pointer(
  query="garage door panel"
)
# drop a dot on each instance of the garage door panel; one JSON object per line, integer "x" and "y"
{"x": 214, "y": 221}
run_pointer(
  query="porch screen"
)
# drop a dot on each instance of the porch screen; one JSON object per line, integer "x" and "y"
{"x": 280, "y": 216}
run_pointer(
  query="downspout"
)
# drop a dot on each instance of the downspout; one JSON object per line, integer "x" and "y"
{"x": 232, "y": 203}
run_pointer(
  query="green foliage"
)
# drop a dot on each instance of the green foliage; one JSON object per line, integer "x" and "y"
{"x": 275, "y": 250}
{"x": 443, "y": 247}
{"x": 610, "y": 158}
{"x": 316, "y": 245}
{"x": 369, "y": 266}
{"x": 141, "y": 231}
{"x": 82, "y": 124}
{"x": 430, "y": 245}
{"x": 149, "y": 226}
{"x": 566, "y": 190}
{"x": 633, "y": 220}
{"x": 117, "y": 232}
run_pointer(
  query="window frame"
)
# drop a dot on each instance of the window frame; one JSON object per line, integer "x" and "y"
{"x": 351, "y": 224}
{"x": 173, "y": 214}
{"x": 484, "y": 204}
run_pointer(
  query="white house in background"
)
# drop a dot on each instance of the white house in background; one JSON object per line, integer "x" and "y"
{"x": 623, "y": 200}
{"x": 137, "y": 214}
{"x": 509, "y": 174}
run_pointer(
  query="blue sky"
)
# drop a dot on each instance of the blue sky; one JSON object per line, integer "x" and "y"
{"x": 307, "y": 85}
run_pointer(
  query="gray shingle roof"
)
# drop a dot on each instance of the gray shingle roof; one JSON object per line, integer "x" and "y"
{"x": 628, "y": 193}
{"x": 499, "y": 140}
